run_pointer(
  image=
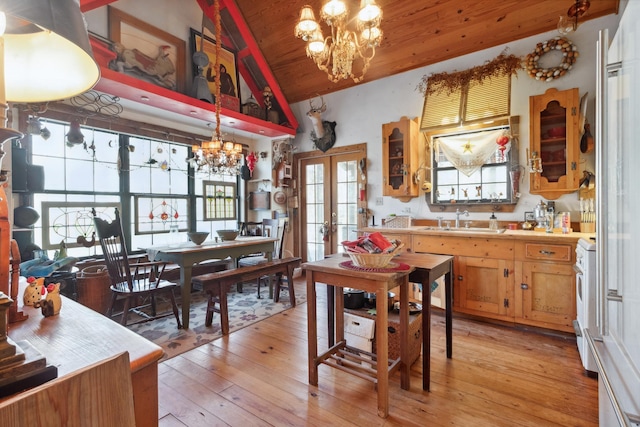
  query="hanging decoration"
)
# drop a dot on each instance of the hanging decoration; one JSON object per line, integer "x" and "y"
{"x": 252, "y": 159}
{"x": 569, "y": 55}
{"x": 503, "y": 142}
{"x": 218, "y": 156}
{"x": 502, "y": 65}
{"x": 163, "y": 211}
{"x": 469, "y": 152}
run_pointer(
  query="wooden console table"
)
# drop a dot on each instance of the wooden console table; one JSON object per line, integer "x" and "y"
{"x": 330, "y": 272}
{"x": 79, "y": 337}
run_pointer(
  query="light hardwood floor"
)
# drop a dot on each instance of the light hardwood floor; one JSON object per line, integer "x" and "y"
{"x": 498, "y": 376}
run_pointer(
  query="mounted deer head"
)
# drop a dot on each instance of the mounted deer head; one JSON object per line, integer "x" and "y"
{"x": 323, "y": 134}
{"x": 315, "y": 115}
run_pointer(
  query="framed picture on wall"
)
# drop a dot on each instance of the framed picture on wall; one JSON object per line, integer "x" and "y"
{"x": 147, "y": 52}
{"x": 260, "y": 200}
{"x": 229, "y": 77}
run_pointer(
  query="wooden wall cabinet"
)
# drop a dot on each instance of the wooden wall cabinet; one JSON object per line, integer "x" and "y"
{"x": 400, "y": 158}
{"x": 554, "y": 138}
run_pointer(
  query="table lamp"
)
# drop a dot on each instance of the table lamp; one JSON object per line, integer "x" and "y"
{"x": 45, "y": 55}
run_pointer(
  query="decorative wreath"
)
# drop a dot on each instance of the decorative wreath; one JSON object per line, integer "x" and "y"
{"x": 569, "y": 56}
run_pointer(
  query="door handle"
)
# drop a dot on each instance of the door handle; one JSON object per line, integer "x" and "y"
{"x": 334, "y": 222}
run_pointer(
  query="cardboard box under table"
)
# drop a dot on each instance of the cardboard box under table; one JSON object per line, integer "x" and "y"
{"x": 359, "y": 331}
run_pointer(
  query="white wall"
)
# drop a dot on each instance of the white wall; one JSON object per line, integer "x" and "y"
{"x": 360, "y": 112}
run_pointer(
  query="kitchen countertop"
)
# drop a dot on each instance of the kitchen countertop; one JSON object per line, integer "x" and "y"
{"x": 462, "y": 232}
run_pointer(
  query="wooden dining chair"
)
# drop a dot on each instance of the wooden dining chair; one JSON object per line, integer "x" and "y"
{"x": 131, "y": 281}
{"x": 274, "y": 228}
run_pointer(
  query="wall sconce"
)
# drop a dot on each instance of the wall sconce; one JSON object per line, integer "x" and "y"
{"x": 534, "y": 162}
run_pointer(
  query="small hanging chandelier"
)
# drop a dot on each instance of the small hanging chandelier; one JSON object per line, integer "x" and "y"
{"x": 217, "y": 156}
{"x": 569, "y": 23}
{"x": 337, "y": 53}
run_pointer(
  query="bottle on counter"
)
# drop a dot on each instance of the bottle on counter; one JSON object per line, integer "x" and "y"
{"x": 493, "y": 222}
{"x": 566, "y": 222}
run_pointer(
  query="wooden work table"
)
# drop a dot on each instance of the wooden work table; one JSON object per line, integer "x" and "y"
{"x": 79, "y": 337}
{"x": 338, "y": 356}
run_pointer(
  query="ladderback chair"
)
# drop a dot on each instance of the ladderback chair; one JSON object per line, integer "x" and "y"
{"x": 274, "y": 228}
{"x": 131, "y": 281}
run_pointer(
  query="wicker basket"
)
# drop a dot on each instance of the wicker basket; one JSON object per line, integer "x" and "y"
{"x": 373, "y": 260}
{"x": 402, "y": 221}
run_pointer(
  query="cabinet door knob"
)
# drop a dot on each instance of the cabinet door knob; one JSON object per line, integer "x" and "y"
{"x": 524, "y": 286}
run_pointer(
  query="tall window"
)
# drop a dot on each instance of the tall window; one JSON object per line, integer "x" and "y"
{"x": 149, "y": 180}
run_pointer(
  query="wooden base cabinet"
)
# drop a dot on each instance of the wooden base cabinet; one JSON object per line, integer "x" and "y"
{"x": 527, "y": 282}
{"x": 545, "y": 292}
{"x": 484, "y": 287}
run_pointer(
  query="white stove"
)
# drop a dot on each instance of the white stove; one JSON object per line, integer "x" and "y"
{"x": 585, "y": 299}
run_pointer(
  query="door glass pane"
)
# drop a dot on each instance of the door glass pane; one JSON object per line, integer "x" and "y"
{"x": 347, "y": 201}
{"x": 315, "y": 211}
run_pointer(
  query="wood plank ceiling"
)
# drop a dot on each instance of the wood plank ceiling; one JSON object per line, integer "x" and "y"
{"x": 416, "y": 33}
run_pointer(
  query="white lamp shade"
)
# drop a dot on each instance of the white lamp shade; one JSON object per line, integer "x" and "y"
{"x": 50, "y": 60}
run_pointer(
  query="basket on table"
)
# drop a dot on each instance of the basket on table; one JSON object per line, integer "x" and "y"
{"x": 379, "y": 260}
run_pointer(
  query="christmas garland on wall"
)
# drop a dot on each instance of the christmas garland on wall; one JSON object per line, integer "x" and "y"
{"x": 502, "y": 65}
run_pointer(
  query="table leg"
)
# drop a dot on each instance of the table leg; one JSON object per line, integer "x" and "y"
{"x": 312, "y": 331}
{"x": 426, "y": 333}
{"x": 331, "y": 319}
{"x": 405, "y": 379}
{"x": 185, "y": 280}
{"x": 382, "y": 350}
{"x": 449, "y": 310}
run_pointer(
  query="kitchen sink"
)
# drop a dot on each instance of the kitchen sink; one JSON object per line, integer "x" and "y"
{"x": 468, "y": 230}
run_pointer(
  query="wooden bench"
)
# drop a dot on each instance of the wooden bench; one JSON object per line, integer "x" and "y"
{"x": 216, "y": 285}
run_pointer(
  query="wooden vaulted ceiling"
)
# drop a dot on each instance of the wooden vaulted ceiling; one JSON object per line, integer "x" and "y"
{"x": 416, "y": 33}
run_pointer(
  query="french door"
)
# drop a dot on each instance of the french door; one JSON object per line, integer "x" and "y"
{"x": 332, "y": 207}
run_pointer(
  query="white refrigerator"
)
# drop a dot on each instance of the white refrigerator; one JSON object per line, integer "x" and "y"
{"x": 616, "y": 342}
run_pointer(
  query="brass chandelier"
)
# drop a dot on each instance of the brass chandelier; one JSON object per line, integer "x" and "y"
{"x": 337, "y": 53}
{"x": 217, "y": 156}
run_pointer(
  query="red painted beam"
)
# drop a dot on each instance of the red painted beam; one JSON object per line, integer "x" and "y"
{"x": 253, "y": 47}
{"x": 87, "y": 5}
{"x": 127, "y": 87}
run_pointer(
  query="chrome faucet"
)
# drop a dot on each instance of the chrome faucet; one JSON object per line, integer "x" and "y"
{"x": 439, "y": 218}
{"x": 458, "y": 213}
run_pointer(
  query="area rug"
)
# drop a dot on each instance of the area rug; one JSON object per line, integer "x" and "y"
{"x": 244, "y": 309}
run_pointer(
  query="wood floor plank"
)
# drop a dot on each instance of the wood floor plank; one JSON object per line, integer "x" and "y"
{"x": 499, "y": 376}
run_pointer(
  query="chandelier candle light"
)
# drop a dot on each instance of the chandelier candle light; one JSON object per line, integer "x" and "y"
{"x": 221, "y": 157}
{"x": 336, "y": 53}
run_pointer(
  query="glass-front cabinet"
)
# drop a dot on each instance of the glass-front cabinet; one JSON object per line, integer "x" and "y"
{"x": 554, "y": 143}
{"x": 400, "y": 158}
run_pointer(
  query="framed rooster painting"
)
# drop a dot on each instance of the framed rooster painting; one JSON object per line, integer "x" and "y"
{"x": 147, "y": 52}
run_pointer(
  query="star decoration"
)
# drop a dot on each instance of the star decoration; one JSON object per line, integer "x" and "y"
{"x": 467, "y": 147}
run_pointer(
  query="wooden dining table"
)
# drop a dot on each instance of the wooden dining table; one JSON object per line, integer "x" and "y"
{"x": 185, "y": 255}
